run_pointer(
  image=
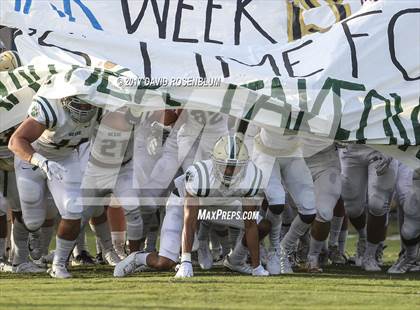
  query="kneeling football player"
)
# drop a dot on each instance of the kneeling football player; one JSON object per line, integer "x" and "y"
{"x": 227, "y": 177}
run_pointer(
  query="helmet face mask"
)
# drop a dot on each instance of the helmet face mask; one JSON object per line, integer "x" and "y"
{"x": 230, "y": 158}
{"x": 80, "y": 111}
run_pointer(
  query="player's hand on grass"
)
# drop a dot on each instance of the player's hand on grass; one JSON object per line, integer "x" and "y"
{"x": 185, "y": 270}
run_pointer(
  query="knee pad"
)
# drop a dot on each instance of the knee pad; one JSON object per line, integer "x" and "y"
{"x": 134, "y": 224}
{"x": 378, "y": 205}
{"x": 325, "y": 214}
{"x": 307, "y": 218}
{"x": 31, "y": 193}
{"x": 410, "y": 229}
{"x": 33, "y": 224}
{"x": 91, "y": 211}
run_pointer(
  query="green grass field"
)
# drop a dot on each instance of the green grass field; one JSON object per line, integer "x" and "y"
{"x": 95, "y": 288}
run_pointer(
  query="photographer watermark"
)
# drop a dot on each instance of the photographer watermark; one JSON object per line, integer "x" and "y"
{"x": 128, "y": 82}
{"x": 226, "y": 215}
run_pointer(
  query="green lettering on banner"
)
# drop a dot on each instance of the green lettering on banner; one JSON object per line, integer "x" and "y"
{"x": 33, "y": 73}
{"x": 227, "y": 99}
{"x": 93, "y": 77}
{"x": 397, "y": 120}
{"x": 416, "y": 125}
{"x": 337, "y": 86}
{"x": 360, "y": 133}
{"x": 52, "y": 69}
{"x": 303, "y": 105}
{"x": 387, "y": 127}
{"x": 31, "y": 83}
{"x": 3, "y": 90}
{"x": 103, "y": 88}
{"x": 277, "y": 92}
{"x": 15, "y": 80}
{"x": 68, "y": 75}
{"x": 6, "y": 105}
{"x": 263, "y": 102}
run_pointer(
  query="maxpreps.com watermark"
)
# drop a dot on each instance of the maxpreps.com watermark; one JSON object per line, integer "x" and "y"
{"x": 226, "y": 215}
{"x": 126, "y": 82}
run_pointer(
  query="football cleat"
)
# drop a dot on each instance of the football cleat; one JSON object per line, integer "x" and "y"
{"x": 260, "y": 272}
{"x": 285, "y": 265}
{"x": 27, "y": 267}
{"x": 127, "y": 266}
{"x": 100, "y": 259}
{"x": 360, "y": 251}
{"x": 238, "y": 267}
{"x": 45, "y": 260}
{"x": 370, "y": 264}
{"x": 83, "y": 259}
{"x": 205, "y": 257}
{"x": 404, "y": 265}
{"x": 5, "y": 266}
{"x": 273, "y": 262}
{"x": 312, "y": 265}
{"x": 335, "y": 256}
{"x": 111, "y": 258}
{"x": 59, "y": 272}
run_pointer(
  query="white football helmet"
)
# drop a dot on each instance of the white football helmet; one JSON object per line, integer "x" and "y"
{"x": 230, "y": 156}
{"x": 80, "y": 111}
{"x": 9, "y": 60}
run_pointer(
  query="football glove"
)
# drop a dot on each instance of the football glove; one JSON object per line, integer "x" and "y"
{"x": 159, "y": 134}
{"x": 185, "y": 270}
{"x": 51, "y": 168}
{"x": 381, "y": 163}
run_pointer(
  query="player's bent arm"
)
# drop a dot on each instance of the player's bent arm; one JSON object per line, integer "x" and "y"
{"x": 20, "y": 142}
{"x": 251, "y": 235}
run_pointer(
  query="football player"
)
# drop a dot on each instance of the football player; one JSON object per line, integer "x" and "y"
{"x": 224, "y": 179}
{"x": 9, "y": 196}
{"x": 280, "y": 158}
{"x": 45, "y": 145}
{"x": 367, "y": 173}
{"x": 109, "y": 171}
{"x": 407, "y": 192}
{"x": 325, "y": 168}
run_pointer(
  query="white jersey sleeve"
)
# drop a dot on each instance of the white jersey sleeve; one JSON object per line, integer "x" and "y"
{"x": 251, "y": 183}
{"x": 43, "y": 111}
{"x": 197, "y": 180}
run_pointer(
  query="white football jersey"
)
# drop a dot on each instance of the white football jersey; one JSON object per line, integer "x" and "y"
{"x": 4, "y": 141}
{"x": 112, "y": 144}
{"x": 62, "y": 135}
{"x": 200, "y": 181}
